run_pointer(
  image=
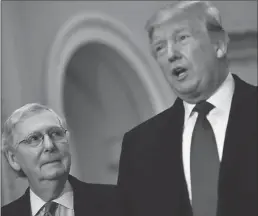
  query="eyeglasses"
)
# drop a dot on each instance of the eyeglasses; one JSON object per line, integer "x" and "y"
{"x": 56, "y": 134}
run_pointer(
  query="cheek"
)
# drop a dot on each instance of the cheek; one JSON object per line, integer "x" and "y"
{"x": 66, "y": 155}
{"x": 189, "y": 51}
{"x": 200, "y": 57}
{"x": 163, "y": 63}
{"x": 27, "y": 158}
{"x": 67, "y": 152}
{"x": 64, "y": 148}
{"x": 192, "y": 51}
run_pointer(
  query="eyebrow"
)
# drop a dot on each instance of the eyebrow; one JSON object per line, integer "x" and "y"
{"x": 40, "y": 131}
{"x": 157, "y": 39}
{"x": 179, "y": 30}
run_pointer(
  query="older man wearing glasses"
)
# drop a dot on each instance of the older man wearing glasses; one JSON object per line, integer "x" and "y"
{"x": 35, "y": 141}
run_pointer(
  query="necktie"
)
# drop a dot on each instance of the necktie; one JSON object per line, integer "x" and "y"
{"x": 204, "y": 164}
{"x": 50, "y": 208}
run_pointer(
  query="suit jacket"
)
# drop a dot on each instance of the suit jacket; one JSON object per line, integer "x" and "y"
{"x": 89, "y": 199}
{"x": 151, "y": 177}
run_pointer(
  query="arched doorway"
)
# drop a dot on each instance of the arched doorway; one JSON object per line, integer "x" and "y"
{"x": 103, "y": 98}
{"x": 102, "y": 83}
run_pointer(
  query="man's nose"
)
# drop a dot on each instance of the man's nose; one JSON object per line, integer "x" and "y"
{"x": 48, "y": 143}
{"x": 173, "y": 53}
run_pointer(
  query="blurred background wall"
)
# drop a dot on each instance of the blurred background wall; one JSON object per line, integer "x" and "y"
{"x": 103, "y": 88}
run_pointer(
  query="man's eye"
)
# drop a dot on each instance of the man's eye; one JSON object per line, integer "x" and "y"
{"x": 57, "y": 133}
{"x": 183, "y": 37}
{"x": 33, "y": 138}
{"x": 159, "y": 48}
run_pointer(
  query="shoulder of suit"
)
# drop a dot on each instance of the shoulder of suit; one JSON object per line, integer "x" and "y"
{"x": 96, "y": 187}
{"x": 157, "y": 120}
{"x": 101, "y": 194}
{"x": 13, "y": 207}
{"x": 245, "y": 91}
{"x": 242, "y": 84}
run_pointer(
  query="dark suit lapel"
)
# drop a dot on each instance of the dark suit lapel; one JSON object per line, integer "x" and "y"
{"x": 81, "y": 198}
{"x": 237, "y": 149}
{"x": 177, "y": 129}
{"x": 169, "y": 171}
{"x": 86, "y": 199}
{"x": 23, "y": 205}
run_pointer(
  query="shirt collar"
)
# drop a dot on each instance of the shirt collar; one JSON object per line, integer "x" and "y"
{"x": 221, "y": 99}
{"x": 66, "y": 199}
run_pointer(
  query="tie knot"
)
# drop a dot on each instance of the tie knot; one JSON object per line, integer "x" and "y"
{"x": 50, "y": 208}
{"x": 203, "y": 107}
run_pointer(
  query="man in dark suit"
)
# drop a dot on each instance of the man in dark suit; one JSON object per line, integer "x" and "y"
{"x": 36, "y": 144}
{"x": 199, "y": 157}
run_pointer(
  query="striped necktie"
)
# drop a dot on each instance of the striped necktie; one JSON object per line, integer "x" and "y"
{"x": 204, "y": 164}
{"x": 50, "y": 208}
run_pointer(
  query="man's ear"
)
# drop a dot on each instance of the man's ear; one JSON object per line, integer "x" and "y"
{"x": 11, "y": 157}
{"x": 222, "y": 46}
{"x": 221, "y": 50}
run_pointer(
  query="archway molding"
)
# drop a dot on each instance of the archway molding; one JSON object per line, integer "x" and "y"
{"x": 95, "y": 27}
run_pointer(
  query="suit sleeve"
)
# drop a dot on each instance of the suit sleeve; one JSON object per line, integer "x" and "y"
{"x": 124, "y": 177}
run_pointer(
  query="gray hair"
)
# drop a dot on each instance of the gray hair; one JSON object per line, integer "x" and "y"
{"x": 18, "y": 116}
{"x": 211, "y": 18}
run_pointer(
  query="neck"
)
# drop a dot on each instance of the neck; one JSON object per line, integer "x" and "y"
{"x": 222, "y": 72}
{"x": 48, "y": 190}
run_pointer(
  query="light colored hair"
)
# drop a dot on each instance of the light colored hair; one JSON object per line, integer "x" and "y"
{"x": 211, "y": 16}
{"x": 20, "y": 115}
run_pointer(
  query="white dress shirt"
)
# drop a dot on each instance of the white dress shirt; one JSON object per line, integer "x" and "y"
{"x": 218, "y": 118}
{"x": 65, "y": 201}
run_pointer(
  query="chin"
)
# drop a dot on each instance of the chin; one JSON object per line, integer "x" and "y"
{"x": 186, "y": 94}
{"x": 55, "y": 174}
{"x": 188, "y": 91}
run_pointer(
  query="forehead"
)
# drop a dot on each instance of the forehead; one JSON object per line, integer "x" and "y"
{"x": 173, "y": 21}
{"x": 37, "y": 122}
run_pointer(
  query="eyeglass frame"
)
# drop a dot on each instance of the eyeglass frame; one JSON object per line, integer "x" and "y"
{"x": 25, "y": 141}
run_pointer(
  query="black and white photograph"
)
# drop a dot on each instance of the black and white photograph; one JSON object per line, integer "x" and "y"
{"x": 129, "y": 108}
